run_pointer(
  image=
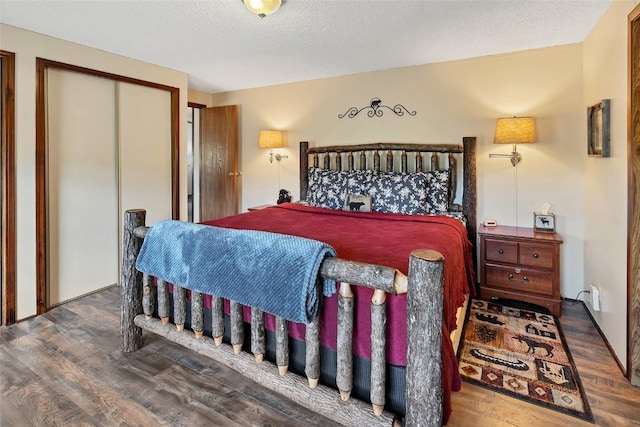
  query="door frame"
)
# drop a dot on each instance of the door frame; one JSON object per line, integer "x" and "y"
{"x": 633, "y": 202}
{"x": 195, "y": 170}
{"x": 8, "y": 196}
{"x": 42, "y": 65}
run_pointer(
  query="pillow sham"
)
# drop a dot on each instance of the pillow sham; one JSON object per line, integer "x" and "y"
{"x": 359, "y": 181}
{"x": 437, "y": 191}
{"x": 326, "y": 188}
{"x": 393, "y": 192}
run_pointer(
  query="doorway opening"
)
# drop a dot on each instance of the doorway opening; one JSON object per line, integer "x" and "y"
{"x": 193, "y": 161}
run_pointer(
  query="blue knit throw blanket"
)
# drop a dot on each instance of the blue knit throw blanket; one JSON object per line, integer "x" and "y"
{"x": 276, "y": 273}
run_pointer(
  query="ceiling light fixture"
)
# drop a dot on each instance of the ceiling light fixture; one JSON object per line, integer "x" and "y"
{"x": 263, "y": 8}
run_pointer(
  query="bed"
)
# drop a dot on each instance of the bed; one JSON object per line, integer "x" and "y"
{"x": 383, "y": 337}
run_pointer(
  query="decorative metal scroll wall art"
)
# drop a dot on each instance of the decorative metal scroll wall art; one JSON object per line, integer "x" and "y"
{"x": 376, "y": 109}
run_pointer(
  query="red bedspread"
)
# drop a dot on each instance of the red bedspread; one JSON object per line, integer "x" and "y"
{"x": 385, "y": 239}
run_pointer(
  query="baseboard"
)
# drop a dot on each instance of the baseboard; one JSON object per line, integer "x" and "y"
{"x": 602, "y": 335}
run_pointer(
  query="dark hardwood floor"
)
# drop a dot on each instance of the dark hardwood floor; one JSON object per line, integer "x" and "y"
{"x": 65, "y": 368}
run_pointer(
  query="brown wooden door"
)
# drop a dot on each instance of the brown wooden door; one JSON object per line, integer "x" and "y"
{"x": 218, "y": 162}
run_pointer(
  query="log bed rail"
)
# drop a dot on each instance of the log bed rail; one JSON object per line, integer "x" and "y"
{"x": 424, "y": 288}
{"x": 423, "y": 285}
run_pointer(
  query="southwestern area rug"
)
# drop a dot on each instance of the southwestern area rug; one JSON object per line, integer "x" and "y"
{"x": 521, "y": 353}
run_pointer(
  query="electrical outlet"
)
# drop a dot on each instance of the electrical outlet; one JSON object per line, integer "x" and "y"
{"x": 595, "y": 297}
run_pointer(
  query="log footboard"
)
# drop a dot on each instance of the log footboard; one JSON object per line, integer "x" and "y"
{"x": 424, "y": 288}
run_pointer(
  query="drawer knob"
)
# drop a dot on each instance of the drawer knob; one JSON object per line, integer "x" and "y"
{"x": 524, "y": 281}
{"x": 500, "y": 251}
{"x": 536, "y": 256}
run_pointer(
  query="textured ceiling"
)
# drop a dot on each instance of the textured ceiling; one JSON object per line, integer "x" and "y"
{"x": 223, "y": 47}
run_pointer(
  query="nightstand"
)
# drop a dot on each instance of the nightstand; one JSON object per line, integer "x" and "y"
{"x": 257, "y": 208}
{"x": 521, "y": 264}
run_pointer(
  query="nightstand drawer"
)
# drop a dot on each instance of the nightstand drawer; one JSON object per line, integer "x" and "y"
{"x": 519, "y": 279}
{"x": 536, "y": 255}
{"x": 502, "y": 251}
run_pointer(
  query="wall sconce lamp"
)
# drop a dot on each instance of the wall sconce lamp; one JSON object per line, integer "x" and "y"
{"x": 514, "y": 130}
{"x": 272, "y": 139}
{"x": 263, "y": 8}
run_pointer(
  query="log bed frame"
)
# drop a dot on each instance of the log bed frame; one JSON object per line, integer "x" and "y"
{"x": 423, "y": 286}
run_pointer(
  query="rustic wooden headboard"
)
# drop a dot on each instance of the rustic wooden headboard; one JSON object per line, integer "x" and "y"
{"x": 411, "y": 158}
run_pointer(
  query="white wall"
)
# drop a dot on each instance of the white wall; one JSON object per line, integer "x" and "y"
{"x": 452, "y": 100}
{"x": 605, "y": 179}
{"x": 27, "y": 46}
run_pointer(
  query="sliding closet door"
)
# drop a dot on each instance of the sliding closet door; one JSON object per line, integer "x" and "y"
{"x": 82, "y": 193}
{"x": 144, "y": 121}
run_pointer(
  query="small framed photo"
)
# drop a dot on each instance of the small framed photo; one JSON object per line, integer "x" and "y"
{"x": 544, "y": 222}
{"x": 598, "y": 117}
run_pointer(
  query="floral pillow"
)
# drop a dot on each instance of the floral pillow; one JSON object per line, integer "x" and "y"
{"x": 399, "y": 193}
{"x": 437, "y": 191}
{"x": 360, "y": 181}
{"x": 327, "y": 188}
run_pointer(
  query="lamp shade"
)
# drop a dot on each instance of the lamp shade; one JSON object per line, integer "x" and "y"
{"x": 270, "y": 139}
{"x": 515, "y": 130}
{"x": 262, "y": 8}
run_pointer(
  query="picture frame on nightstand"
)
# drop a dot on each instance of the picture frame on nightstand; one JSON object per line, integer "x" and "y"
{"x": 544, "y": 222}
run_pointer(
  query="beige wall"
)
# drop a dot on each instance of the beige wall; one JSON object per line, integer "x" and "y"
{"x": 200, "y": 97}
{"x": 605, "y": 179}
{"x": 27, "y": 46}
{"x": 452, "y": 100}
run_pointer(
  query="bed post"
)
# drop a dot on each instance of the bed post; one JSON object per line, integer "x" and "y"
{"x": 131, "y": 335}
{"x": 304, "y": 169}
{"x": 469, "y": 197}
{"x": 424, "y": 338}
